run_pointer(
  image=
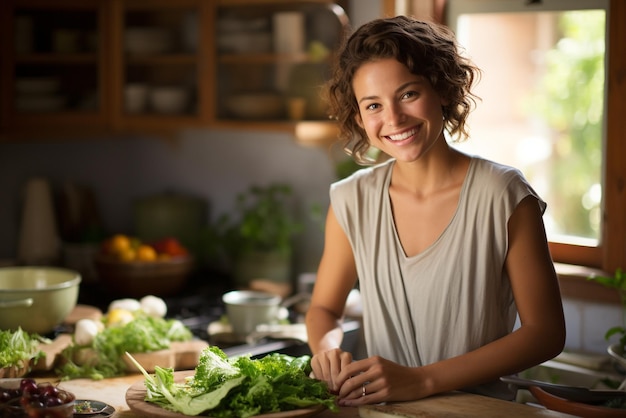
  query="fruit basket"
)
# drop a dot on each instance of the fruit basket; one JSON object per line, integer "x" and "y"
{"x": 139, "y": 278}
{"x": 130, "y": 268}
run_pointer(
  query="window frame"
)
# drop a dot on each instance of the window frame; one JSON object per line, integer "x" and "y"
{"x": 610, "y": 253}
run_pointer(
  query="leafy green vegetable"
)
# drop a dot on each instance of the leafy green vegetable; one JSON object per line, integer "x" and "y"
{"x": 240, "y": 387}
{"x": 18, "y": 348}
{"x": 144, "y": 334}
{"x": 618, "y": 282}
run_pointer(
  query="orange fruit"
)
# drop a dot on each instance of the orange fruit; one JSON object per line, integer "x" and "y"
{"x": 127, "y": 255}
{"x": 146, "y": 253}
{"x": 119, "y": 243}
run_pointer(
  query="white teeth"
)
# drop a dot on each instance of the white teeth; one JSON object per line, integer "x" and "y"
{"x": 403, "y": 135}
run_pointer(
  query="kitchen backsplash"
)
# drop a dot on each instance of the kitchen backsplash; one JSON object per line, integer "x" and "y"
{"x": 587, "y": 322}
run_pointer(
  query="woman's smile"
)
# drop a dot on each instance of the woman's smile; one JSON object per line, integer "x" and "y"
{"x": 402, "y": 136}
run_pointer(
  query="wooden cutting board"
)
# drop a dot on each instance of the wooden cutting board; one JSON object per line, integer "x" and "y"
{"x": 456, "y": 405}
{"x": 180, "y": 355}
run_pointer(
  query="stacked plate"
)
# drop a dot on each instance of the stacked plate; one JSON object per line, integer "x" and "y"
{"x": 38, "y": 94}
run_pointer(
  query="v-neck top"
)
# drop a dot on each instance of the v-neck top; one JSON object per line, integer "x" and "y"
{"x": 454, "y": 296}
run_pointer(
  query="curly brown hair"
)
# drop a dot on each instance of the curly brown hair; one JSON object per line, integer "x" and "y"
{"x": 426, "y": 48}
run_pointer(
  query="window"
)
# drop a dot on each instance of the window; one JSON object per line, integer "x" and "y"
{"x": 546, "y": 109}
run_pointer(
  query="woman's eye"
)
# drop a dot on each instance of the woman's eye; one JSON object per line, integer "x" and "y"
{"x": 409, "y": 94}
{"x": 372, "y": 106}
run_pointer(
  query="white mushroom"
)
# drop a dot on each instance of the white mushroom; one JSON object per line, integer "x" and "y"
{"x": 153, "y": 306}
{"x": 86, "y": 330}
{"x": 128, "y": 304}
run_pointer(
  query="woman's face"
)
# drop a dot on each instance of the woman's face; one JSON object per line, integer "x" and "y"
{"x": 400, "y": 111}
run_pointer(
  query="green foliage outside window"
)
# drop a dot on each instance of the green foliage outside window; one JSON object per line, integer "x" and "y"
{"x": 569, "y": 99}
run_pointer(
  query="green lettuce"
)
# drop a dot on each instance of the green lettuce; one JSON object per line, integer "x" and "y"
{"x": 144, "y": 334}
{"x": 18, "y": 348}
{"x": 241, "y": 387}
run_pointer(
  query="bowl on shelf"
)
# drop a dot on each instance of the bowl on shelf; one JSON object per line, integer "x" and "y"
{"x": 37, "y": 299}
{"x": 169, "y": 99}
{"x": 162, "y": 277}
{"x": 256, "y": 105}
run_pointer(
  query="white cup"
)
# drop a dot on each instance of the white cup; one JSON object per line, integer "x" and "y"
{"x": 289, "y": 32}
{"x": 246, "y": 309}
{"x": 135, "y": 97}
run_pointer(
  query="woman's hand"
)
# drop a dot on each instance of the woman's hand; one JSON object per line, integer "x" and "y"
{"x": 328, "y": 364}
{"x": 375, "y": 380}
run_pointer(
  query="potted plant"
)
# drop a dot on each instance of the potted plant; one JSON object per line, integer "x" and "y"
{"x": 618, "y": 282}
{"x": 256, "y": 238}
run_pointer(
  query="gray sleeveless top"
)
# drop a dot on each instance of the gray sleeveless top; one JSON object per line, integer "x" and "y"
{"x": 454, "y": 296}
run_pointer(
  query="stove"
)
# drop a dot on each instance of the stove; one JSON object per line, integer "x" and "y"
{"x": 197, "y": 305}
{"x": 200, "y": 304}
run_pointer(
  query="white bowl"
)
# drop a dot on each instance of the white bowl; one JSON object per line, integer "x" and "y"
{"x": 256, "y": 106}
{"x": 246, "y": 309}
{"x": 169, "y": 100}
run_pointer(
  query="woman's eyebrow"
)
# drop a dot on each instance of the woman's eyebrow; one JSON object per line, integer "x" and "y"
{"x": 402, "y": 87}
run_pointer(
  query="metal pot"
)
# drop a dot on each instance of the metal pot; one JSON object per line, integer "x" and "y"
{"x": 37, "y": 299}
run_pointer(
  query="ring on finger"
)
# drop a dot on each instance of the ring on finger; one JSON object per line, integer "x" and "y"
{"x": 364, "y": 392}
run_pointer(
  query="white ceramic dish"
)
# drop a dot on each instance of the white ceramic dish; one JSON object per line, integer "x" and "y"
{"x": 248, "y": 308}
{"x": 136, "y": 97}
{"x": 169, "y": 99}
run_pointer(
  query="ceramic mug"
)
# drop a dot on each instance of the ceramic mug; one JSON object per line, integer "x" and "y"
{"x": 246, "y": 309}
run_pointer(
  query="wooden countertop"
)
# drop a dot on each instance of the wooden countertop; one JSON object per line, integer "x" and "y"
{"x": 457, "y": 404}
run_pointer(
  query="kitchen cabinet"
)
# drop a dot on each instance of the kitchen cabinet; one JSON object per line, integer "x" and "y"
{"x": 102, "y": 66}
{"x": 53, "y": 67}
{"x": 160, "y": 75}
{"x": 271, "y": 59}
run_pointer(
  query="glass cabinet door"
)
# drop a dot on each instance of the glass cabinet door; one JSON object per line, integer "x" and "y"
{"x": 53, "y": 59}
{"x": 159, "y": 75}
{"x": 272, "y": 58}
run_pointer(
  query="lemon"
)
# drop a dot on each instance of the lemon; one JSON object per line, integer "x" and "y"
{"x": 119, "y": 316}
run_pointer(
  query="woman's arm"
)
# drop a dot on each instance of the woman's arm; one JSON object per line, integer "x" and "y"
{"x": 336, "y": 276}
{"x": 540, "y": 337}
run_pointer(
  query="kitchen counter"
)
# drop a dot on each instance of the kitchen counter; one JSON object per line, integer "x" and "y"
{"x": 457, "y": 404}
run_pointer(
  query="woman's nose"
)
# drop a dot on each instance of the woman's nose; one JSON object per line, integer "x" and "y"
{"x": 395, "y": 115}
